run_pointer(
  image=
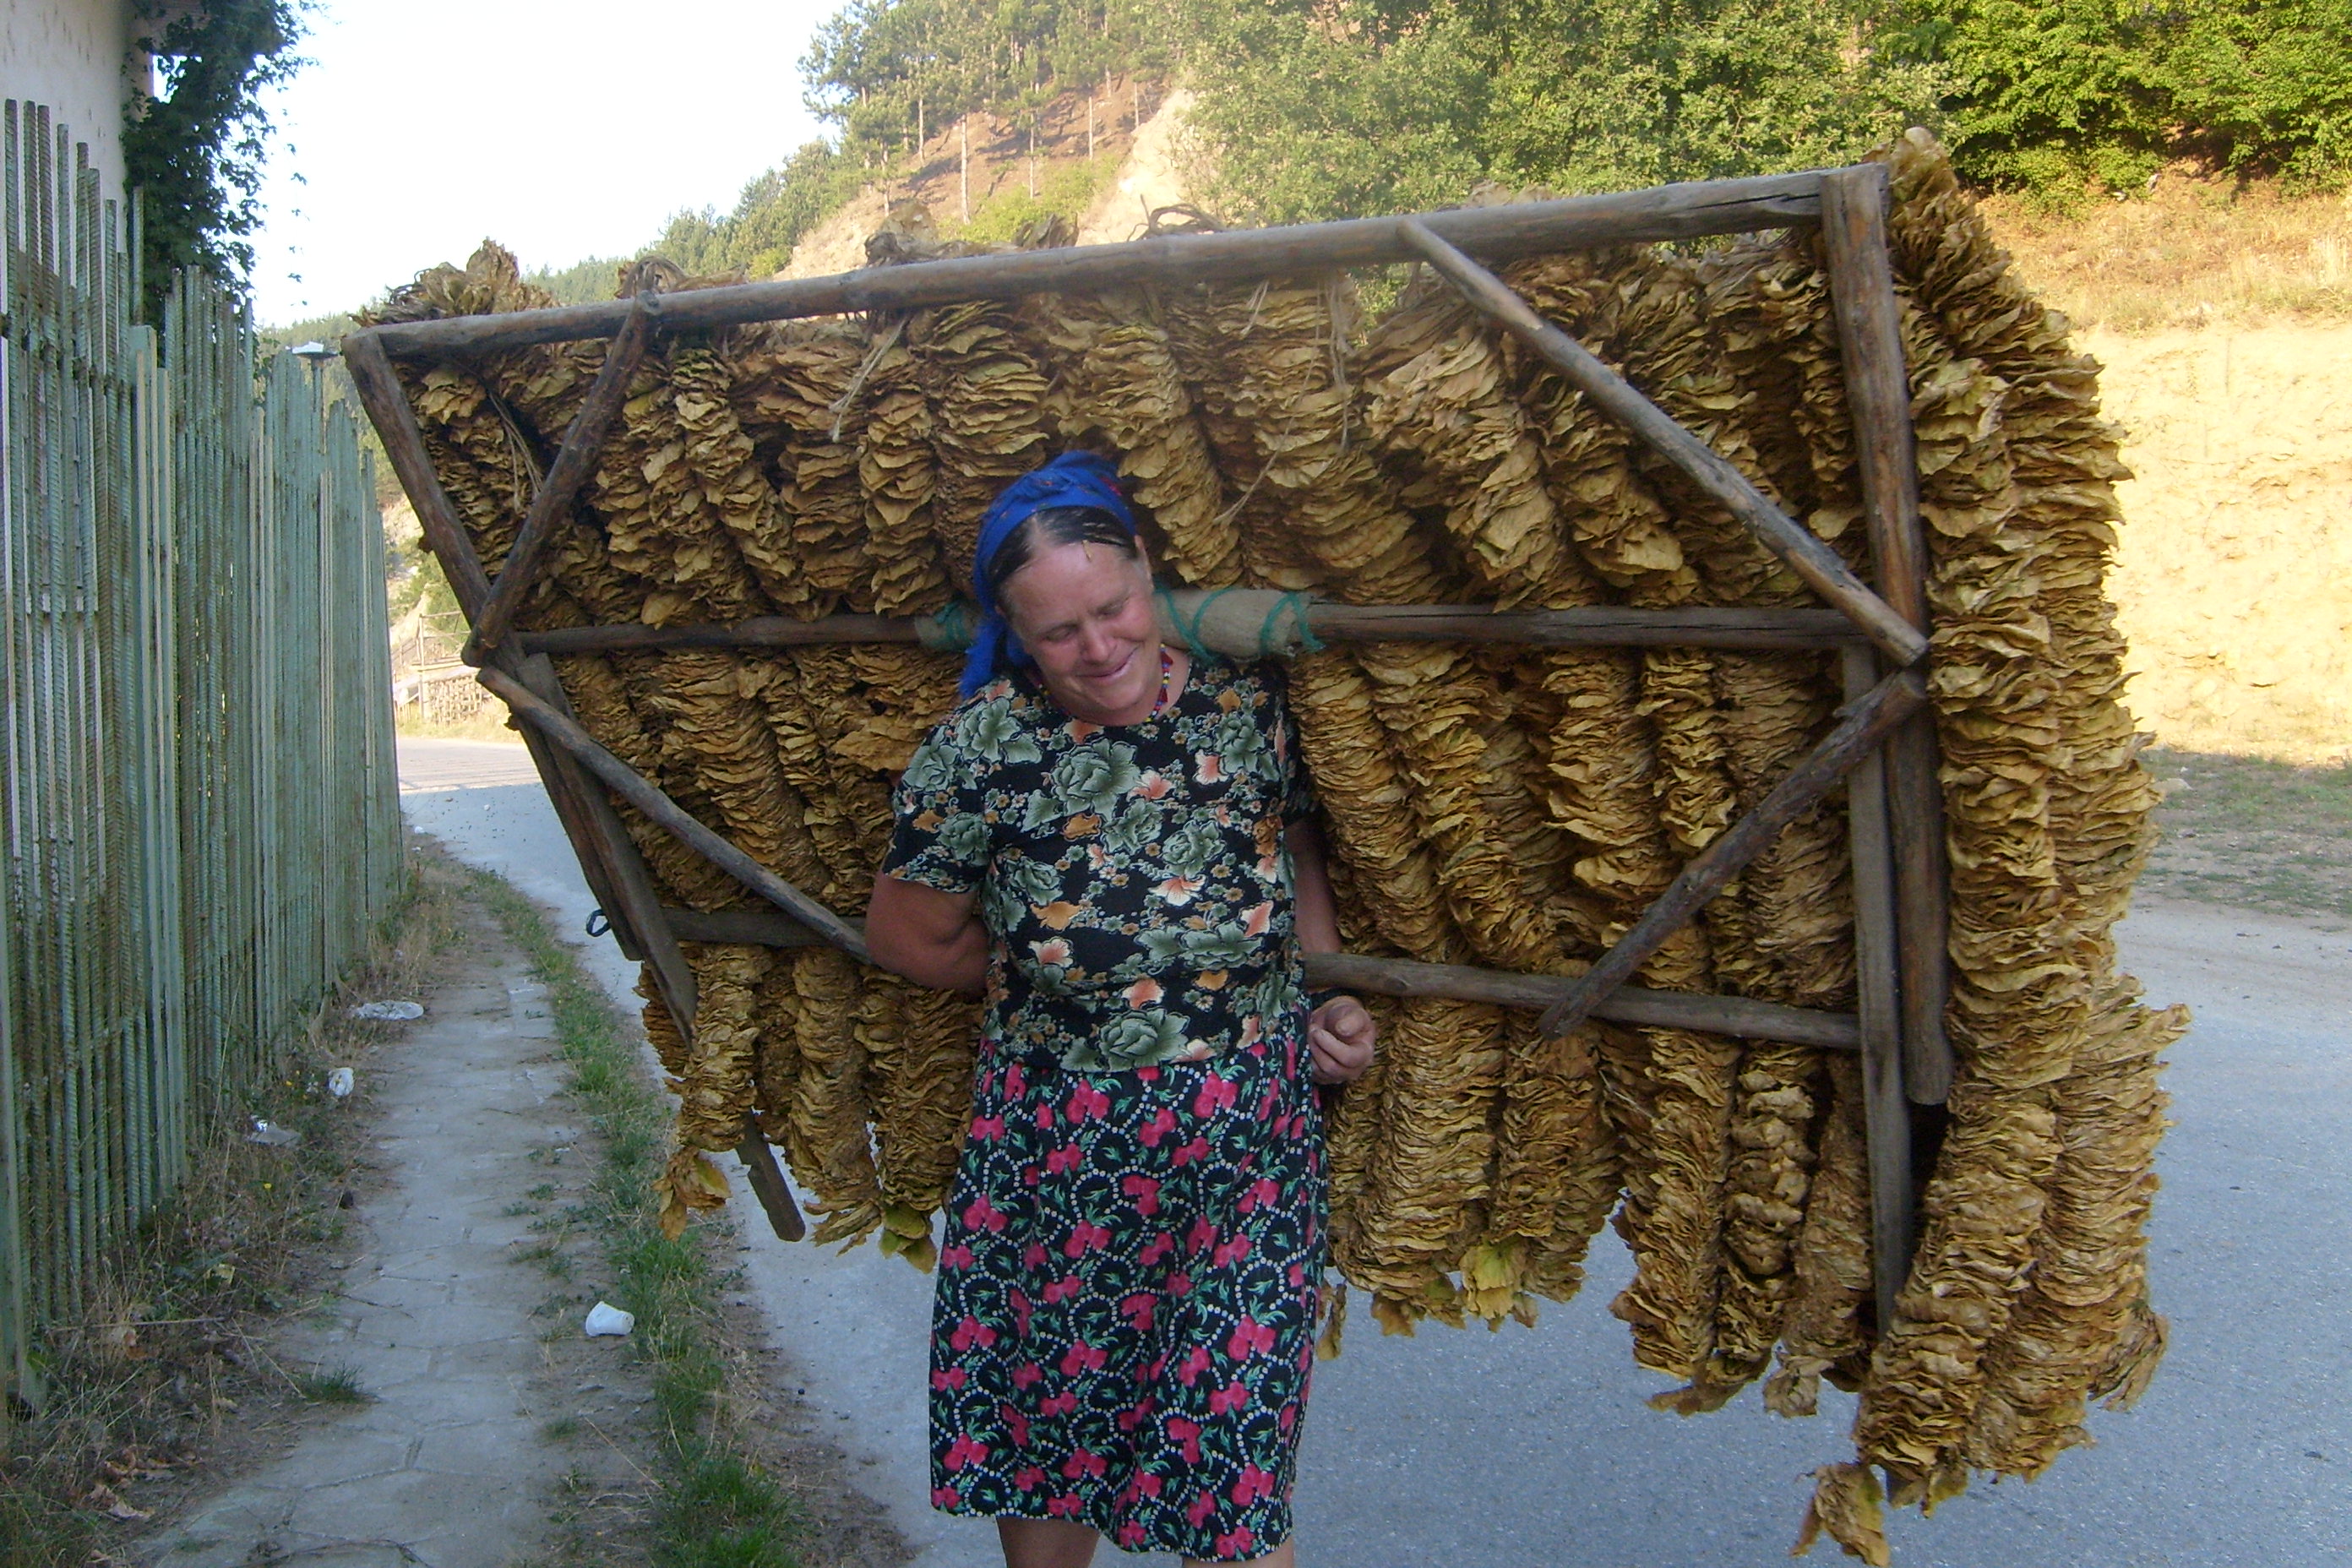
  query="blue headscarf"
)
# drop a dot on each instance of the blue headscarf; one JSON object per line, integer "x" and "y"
{"x": 1074, "y": 478}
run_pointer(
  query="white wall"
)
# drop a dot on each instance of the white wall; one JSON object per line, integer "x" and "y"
{"x": 70, "y": 56}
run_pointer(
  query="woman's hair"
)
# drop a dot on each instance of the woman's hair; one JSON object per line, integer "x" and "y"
{"x": 1049, "y": 526}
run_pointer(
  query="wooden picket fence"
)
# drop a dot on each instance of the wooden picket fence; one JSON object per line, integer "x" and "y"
{"x": 199, "y": 812}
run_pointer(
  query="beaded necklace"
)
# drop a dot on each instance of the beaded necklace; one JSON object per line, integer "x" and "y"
{"x": 1167, "y": 677}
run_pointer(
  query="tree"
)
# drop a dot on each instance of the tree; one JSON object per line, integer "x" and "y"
{"x": 1316, "y": 110}
{"x": 193, "y": 152}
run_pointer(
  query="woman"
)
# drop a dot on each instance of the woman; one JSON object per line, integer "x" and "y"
{"x": 1113, "y": 841}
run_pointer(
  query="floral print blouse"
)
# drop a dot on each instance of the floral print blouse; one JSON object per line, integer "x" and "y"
{"x": 1134, "y": 876}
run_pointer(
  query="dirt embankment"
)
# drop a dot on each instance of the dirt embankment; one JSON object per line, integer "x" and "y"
{"x": 2223, "y": 316}
{"x": 2234, "y": 574}
{"x": 1110, "y": 157}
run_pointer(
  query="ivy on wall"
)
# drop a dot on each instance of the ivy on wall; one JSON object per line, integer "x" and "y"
{"x": 194, "y": 151}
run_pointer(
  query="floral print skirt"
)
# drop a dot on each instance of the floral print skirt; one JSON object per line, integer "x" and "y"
{"x": 1124, "y": 1324}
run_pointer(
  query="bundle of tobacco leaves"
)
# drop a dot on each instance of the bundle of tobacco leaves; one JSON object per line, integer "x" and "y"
{"x": 1512, "y": 808}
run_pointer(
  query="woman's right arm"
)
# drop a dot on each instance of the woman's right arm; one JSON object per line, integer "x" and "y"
{"x": 932, "y": 937}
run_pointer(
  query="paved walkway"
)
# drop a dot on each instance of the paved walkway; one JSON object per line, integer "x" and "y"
{"x": 447, "y": 1468}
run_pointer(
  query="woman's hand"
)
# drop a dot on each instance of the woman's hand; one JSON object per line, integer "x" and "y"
{"x": 1340, "y": 1035}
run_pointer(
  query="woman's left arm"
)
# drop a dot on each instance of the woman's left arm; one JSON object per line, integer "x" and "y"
{"x": 1341, "y": 1034}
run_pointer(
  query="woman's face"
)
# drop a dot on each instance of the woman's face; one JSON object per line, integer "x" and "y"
{"x": 1084, "y": 614}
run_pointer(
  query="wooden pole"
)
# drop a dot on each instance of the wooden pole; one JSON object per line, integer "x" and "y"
{"x": 388, "y": 409}
{"x": 574, "y": 460}
{"x": 1887, "y": 1117}
{"x": 1524, "y": 228}
{"x": 1870, "y": 338}
{"x": 1805, "y": 555}
{"x": 574, "y": 798}
{"x": 1249, "y": 623}
{"x": 1860, "y": 724}
{"x": 1596, "y": 626}
{"x": 768, "y": 1184}
{"x": 1734, "y": 1015}
{"x": 648, "y": 798}
{"x": 760, "y": 631}
{"x": 634, "y": 907}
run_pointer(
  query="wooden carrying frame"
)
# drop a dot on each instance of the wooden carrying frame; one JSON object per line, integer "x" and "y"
{"x": 1882, "y": 744}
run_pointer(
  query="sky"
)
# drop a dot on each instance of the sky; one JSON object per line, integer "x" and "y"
{"x": 560, "y": 130}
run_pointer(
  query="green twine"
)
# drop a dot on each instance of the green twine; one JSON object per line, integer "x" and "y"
{"x": 949, "y": 630}
{"x": 1296, "y": 605}
{"x": 1190, "y": 634}
{"x": 1269, "y": 640}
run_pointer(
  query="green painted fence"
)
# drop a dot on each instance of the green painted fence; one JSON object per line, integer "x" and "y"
{"x": 199, "y": 813}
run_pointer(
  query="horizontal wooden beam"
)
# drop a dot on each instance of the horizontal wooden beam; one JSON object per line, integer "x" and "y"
{"x": 1593, "y": 626}
{"x": 759, "y": 631}
{"x": 1860, "y": 726}
{"x": 1248, "y": 623}
{"x": 1734, "y": 1015}
{"x": 1688, "y": 211}
{"x": 1795, "y": 545}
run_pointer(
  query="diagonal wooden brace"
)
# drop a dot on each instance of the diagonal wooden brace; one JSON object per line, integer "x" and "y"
{"x": 646, "y": 796}
{"x": 574, "y": 460}
{"x": 1860, "y": 726}
{"x": 1805, "y": 555}
{"x": 617, "y": 877}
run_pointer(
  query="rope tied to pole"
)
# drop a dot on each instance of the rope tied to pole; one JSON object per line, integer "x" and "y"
{"x": 1273, "y": 640}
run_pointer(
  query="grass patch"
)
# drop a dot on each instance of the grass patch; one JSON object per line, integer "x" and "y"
{"x": 716, "y": 1507}
{"x": 170, "y": 1358}
{"x": 2254, "y": 832}
{"x": 2192, "y": 251}
{"x": 332, "y": 1385}
{"x": 1066, "y": 192}
{"x": 488, "y": 722}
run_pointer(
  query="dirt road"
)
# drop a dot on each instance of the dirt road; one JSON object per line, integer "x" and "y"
{"x": 1533, "y": 1447}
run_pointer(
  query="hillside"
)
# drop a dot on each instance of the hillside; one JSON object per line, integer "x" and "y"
{"x": 2223, "y": 316}
{"x": 1103, "y": 161}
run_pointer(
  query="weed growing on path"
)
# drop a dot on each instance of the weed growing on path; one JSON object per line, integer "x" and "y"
{"x": 717, "y": 1508}
{"x": 332, "y": 1385}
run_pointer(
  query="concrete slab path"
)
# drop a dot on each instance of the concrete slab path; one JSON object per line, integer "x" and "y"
{"x": 434, "y": 1318}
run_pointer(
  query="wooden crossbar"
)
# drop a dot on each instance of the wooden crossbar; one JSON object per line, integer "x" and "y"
{"x": 1737, "y": 1017}
{"x": 1689, "y": 211}
{"x": 1270, "y": 625}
